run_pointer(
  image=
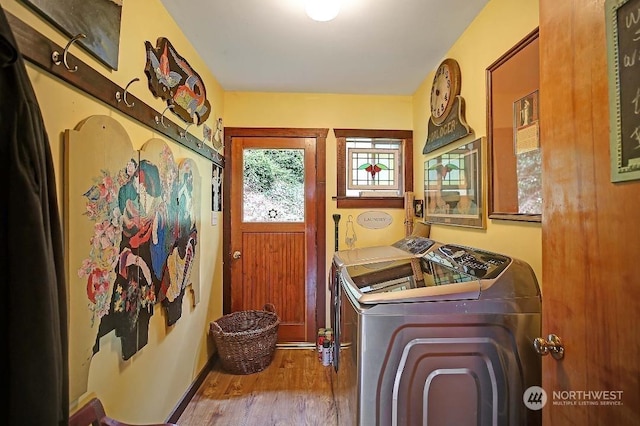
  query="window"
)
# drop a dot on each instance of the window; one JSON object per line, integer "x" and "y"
{"x": 273, "y": 185}
{"x": 374, "y": 167}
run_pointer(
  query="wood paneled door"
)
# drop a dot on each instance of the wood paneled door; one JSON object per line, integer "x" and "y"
{"x": 275, "y": 198}
{"x": 590, "y": 228}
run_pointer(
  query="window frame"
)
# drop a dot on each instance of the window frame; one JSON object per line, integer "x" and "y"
{"x": 344, "y": 201}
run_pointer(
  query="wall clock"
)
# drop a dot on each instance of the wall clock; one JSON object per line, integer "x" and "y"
{"x": 444, "y": 89}
{"x": 447, "y": 122}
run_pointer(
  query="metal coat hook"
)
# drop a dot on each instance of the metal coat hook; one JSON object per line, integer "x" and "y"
{"x": 204, "y": 139}
{"x": 55, "y": 56}
{"x": 161, "y": 119}
{"x": 183, "y": 134}
{"x": 126, "y": 90}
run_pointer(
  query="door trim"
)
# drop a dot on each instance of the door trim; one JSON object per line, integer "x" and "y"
{"x": 317, "y": 318}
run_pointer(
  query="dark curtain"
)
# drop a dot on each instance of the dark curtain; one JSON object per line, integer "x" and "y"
{"x": 31, "y": 256}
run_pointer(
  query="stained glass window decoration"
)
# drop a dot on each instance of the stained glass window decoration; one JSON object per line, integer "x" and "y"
{"x": 453, "y": 186}
{"x": 370, "y": 181}
{"x": 373, "y": 169}
{"x": 455, "y": 165}
{"x": 449, "y": 170}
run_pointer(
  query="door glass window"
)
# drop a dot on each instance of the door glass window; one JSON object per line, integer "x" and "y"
{"x": 273, "y": 185}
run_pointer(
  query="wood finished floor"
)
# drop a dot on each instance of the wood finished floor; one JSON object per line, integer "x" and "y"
{"x": 295, "y": 389}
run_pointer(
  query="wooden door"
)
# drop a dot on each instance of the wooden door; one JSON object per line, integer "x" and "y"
{"x": 272, "y": 252}
{"x": 590, "y": 229}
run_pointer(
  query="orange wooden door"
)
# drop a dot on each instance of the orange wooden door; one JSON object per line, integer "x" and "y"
{"x": 273, "y": 249}
{"x": 590, "y": 229}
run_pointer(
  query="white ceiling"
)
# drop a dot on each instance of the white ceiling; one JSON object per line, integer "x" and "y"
{"x": 384, "y": 47}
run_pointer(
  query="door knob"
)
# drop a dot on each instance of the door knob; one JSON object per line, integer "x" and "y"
{"x": 236, "y": 254}
{"x": 553, "y": 345}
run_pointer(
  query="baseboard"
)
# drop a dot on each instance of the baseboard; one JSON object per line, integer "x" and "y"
{"x": 193, "y": 389}
{"x": 295, "y": 345}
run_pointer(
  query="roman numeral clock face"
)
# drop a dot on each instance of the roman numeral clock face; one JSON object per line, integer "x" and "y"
{"x": 445, "y": 87}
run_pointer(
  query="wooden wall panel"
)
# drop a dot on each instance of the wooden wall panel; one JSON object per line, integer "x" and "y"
{"x": 590, "y": 231}
{"x": 276, "y": 275}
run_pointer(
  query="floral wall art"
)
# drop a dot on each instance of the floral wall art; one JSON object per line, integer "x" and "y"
{"x": 132, "y": 221}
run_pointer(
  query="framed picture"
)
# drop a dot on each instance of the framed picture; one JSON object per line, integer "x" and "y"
{"x": 207, "y": 133}
{"x": 623, "y": 30}
{"x": 453, "y": 186}
{"x": 513, "y": 134}
{"x": 98, "y": 20}
{"x": 417, "y": 208}
{"x": 526, "y": 130}
{"x": 216, "y": 188}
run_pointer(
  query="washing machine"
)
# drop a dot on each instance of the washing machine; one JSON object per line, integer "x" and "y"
{"x": 409, "y": 247}
{"x": 439, "y": 338}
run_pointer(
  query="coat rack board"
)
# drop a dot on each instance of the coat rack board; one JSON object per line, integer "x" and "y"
{"x": 38, "y": 49}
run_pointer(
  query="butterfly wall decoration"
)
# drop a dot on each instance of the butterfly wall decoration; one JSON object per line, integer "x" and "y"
{"x": 172, "y": 79}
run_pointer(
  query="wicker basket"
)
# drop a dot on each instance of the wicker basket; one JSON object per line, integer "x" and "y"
{"x": 246, "y": 340}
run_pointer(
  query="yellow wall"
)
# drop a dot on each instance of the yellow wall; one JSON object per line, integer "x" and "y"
{"x": 496, "y": 29}
{"x": 500, "y": 25}
{"x": 148, "y": 386}
{"x": 243, "y": 109}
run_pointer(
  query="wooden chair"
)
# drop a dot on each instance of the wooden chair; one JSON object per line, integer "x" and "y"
{"x": 92, "y": 414}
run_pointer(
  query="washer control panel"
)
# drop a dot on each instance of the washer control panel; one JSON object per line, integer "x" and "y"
{"x": 479, "y": 263}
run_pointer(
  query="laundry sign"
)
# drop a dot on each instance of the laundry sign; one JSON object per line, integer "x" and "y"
{"x": 374, "y": 220}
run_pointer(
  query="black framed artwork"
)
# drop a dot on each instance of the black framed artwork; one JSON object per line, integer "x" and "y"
{"x": 417, "y": 208}
{"x": 98, "y": 20}
{"x": 216, "y": 188}
{"x": 623, "y": 54}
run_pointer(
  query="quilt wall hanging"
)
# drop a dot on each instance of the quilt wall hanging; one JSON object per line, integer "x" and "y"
{"x": 132, "y": 220}
{"x": 95, "y": 23}
{"x": 172, "y": 79}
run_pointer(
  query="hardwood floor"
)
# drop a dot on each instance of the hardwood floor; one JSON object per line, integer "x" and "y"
{"x": 295, "y": 389}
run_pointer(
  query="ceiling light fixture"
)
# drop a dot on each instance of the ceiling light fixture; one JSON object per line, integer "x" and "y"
{"x": 322, "y": 10}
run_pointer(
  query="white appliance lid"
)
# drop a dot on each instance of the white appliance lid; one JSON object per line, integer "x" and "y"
{"x": 364, "y": 255}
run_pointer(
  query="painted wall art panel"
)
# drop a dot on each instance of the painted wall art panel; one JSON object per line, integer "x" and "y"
{"x": 172, "y": 79}
{"x": 132, "y": 238}
{"x": 92, "y": 232}
{"x": 99, "y": 20}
